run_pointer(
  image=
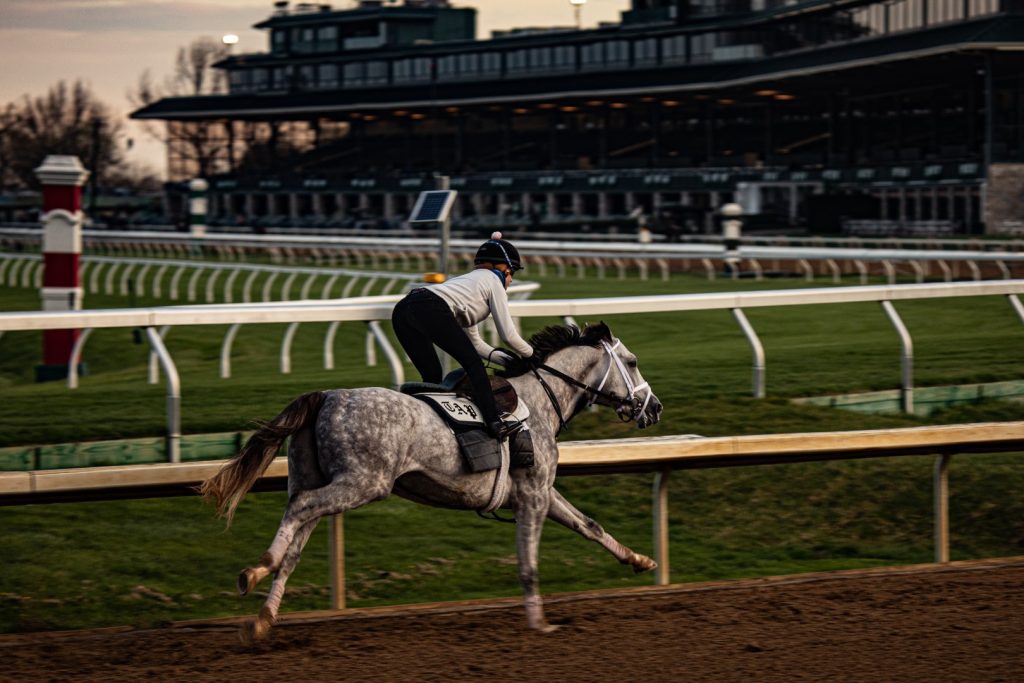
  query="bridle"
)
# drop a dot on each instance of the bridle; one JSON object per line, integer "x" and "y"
{"x": 627, "y": 406}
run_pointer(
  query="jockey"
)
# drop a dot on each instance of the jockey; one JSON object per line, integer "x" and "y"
{"x": 447, "y": 314}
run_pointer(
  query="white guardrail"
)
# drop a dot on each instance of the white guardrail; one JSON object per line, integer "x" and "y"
{"x": 561, "y": 254}
{"x": 373, "y": 310}
{"x": 127, "y": 276}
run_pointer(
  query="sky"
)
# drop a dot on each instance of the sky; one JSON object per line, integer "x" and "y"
{"x": 109, "y": 43}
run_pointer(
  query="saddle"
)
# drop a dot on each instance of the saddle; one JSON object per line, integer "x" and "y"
{"x": 452, "y": 401}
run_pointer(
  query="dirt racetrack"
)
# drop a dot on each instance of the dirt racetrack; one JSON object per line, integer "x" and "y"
{"x": 957, "y": 622}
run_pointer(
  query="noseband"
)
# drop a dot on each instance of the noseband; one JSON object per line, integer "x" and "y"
{"x": 627, "y": 406}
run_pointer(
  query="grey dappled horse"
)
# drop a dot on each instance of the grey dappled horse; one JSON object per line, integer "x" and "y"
{"x": 353, "y": 446}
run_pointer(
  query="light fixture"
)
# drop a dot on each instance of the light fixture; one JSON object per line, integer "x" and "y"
{"x": 618, "y": 105}
{"x": 568, "y": 109}
{"x": 577, "y": 8}
{"x": 452, "y": 110}
{"x": 784, "y": 97}
{"x": 546, "y": 105}
{"x": 520, "y": 110}
{"x": 766, "y": 93}
{"x": 418, "y": 117}
{"x": 670, "y": 103}
{"x": 726, "y": 100}
{"x": 594, "y": 103}
{"x": 229, "y": 39}
{"x": 401, "y": 112}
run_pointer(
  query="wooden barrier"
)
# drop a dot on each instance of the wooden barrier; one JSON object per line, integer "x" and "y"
{"x": 659, "y": 455}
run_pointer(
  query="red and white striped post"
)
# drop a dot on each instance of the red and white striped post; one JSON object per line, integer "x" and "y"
{"x": 62, "y": 178}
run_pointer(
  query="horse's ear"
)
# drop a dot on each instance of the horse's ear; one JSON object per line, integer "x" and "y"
{"x": 592, "y": 334}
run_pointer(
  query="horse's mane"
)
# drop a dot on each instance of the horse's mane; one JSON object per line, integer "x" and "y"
{"x": 555, "y": 338}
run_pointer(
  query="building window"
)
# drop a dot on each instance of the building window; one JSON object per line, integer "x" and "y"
{"x": 447, "y": 68}
{"x": 414, "y": 70}
{"x": 327, "y": 39}
{"x": 469, "y": 64}
{"x": 673, "y": 50}
{"x": 327, "y": 76}
{"x": 303, "y": 40}
{"x": 540, "y": 59}
{"x": 592, "y": 56}
{"x": 281, "y": 77}
{"x": 260, "y": 79}
{"x": 307, "y": 77}
{"x": 516, "y": 61}
{"x": 565, "y": 58}
{"x": 490, "y": 64}
{"x": 377, "y": 73}
{"x": 279, "y": 40}
{"x": 616, "y": 53}
{"x": 239, "y": 79}
{"x": 702, "y": 46}
{"x": 354, "y": 74}
{"x": 645, "y": 52}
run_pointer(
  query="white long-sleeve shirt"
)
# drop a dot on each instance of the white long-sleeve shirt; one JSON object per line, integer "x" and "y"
{"x": 474, "y": 296}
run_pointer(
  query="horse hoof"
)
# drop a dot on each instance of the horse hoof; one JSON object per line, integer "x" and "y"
{"x": 253, "y": 631}
{"x": 247, "y": 580}
{"x": 642, "y": 563}
{"x": 546, "y": 628}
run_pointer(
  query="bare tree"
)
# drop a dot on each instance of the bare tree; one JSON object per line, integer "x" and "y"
{"x": 195, "y": 148}
{"x": 68, "y": 119}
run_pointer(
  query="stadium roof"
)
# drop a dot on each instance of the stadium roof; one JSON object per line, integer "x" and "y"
{"x": 816, "y": 68}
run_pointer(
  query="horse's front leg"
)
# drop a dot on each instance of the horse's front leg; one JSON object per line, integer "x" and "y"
{"x": 562, "y": 511}
{"x": 530, "y": 515}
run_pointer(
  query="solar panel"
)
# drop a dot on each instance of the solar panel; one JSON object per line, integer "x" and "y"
{"x": 433, "y": 206}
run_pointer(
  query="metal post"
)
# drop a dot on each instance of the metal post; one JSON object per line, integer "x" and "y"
{"x": 225, "y": 350}
{"x": 397, "y": 372}
{"x": 173, "y": 395}
{"x": 1017, "y": 306}
{"x": 336, "y": 558}
{"x": 332, "y": 330}
{"x": 661, "y": 574}
{"x": 907, "y": 357}
{"x": 443, "y": 183}
{"x": 76, "y": 357}
{"x": 286, "y": 348}
{"x": 756, "y": 348}
{"x": 941, "y": 488}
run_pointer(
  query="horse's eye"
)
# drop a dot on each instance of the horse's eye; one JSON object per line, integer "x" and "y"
{"x": 631, "y": 363}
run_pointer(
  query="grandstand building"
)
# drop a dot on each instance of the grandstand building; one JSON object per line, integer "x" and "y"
{"x": 888, "y": 115}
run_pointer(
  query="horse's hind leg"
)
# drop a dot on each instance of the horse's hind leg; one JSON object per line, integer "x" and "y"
{"x": 563, "y": 512}
{"x": 303, "y": 474}
{"x": 268, "y": 613}
{"x": 348, "y": 491}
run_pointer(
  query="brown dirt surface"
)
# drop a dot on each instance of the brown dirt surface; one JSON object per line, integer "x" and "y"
{"x": 958, "y": 622}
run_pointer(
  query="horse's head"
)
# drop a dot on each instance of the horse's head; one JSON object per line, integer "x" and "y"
{"x": 618, "y": 380}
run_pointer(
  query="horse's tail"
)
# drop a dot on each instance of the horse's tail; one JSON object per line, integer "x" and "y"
{"x": 233, "y": 481}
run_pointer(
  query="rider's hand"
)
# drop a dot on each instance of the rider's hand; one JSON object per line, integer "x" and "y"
{"x": 501, "y": 357}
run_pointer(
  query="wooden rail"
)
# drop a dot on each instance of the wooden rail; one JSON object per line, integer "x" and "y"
{"x": 659, "y": 455}
{"x": 652, "y": 454}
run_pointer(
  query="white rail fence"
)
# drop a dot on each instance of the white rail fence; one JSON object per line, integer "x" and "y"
{"x": 127, "y": 276}
{"x": 373, "y": 310}
{"x": 818, "y": 260}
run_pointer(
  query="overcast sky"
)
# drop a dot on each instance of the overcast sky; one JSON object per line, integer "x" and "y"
{"x": 109, "y": 43}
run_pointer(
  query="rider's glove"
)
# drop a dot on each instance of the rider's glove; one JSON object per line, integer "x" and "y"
{"x": 534, "y": 361}
{"x": 501, "y": 357}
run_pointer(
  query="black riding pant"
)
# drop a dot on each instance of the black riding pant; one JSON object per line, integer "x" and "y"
{"x": 422, "y": 320}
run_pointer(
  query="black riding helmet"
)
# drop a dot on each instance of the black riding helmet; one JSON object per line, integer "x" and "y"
{"x": 497, "y": 250}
